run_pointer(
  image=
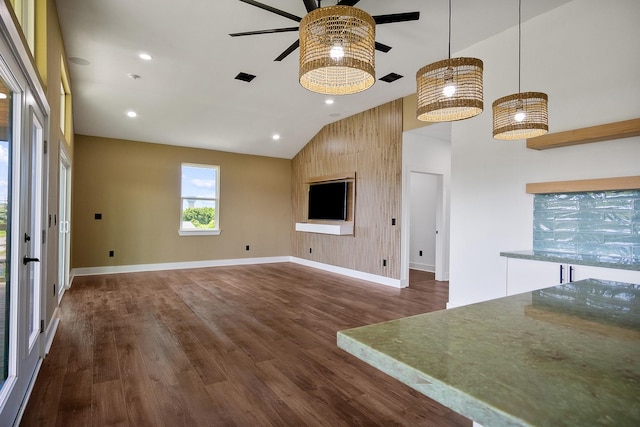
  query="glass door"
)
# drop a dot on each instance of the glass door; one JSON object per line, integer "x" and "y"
{"x": 5, "y": 211}
{"x": 22, "y": 234}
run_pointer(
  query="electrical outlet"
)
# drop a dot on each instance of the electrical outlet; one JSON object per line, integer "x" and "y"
{"x": 54, "y": 289}
{"x": 310, "y": 250}
{"x": 393, "y": 221}
{"x": 111, "y": 254}
{"x": 247, "y": 247}
{"x": 420, "y": 253}
{"x": 384, "y": 262}
{"x": 97, "y": 216}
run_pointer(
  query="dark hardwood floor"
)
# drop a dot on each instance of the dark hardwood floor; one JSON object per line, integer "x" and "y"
{"x": 228, "y": 346}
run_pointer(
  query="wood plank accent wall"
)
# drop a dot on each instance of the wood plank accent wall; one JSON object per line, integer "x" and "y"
{"x": 369, "y": 143}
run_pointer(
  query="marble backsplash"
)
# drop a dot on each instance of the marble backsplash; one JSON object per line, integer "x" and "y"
{"x": 602, "y": 224}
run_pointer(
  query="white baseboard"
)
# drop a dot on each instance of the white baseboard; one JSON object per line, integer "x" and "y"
{"x": 27, "y": 395}
{"x": 51, "y": 331}
{"x": 90, "y": 271}
{"x": 422, "y": 267}
{"x": 382, "y": 280}
{"x": 453, "y": 305}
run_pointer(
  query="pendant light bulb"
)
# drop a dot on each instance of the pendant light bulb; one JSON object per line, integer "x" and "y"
{"x": 520, "y": 115}
{"x": 336, "y": 52}
{"x": 449, "y": 88}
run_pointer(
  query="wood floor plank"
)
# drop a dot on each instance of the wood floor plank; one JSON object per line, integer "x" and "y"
{"x": 229, "y": 346}
{"x": 108, "y": 404}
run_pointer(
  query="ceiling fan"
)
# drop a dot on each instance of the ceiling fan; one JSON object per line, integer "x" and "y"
{"x": 311, "y": 5}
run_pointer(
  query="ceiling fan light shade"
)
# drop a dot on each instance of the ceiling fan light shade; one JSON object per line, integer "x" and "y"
{"x": 520, "y": 116}
{"x": 337, "y": 50}
{"x": 450, "y": 90}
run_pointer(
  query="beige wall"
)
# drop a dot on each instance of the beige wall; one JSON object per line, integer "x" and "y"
{"x": 49, "y": 52}
{"x": 369, "y": 144}
{"x": 136, "y": 188}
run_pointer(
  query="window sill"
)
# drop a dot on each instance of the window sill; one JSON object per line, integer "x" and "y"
{"x": 199, "y": 232}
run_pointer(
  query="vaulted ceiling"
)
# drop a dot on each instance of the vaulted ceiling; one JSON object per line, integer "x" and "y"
{"x": 187, "y": 93}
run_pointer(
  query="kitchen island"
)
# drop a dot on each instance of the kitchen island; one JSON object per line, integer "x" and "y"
{"x": 567, "y": 355}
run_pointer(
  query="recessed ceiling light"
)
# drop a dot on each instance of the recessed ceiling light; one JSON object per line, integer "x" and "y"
{"x": 328, "y": 101}
{"x": 134, "y": 76}
{"x": 3, "y": 95}
{"x": 145, "y": 56}
{"x": 132, "y": 114}
{"x": 78, "y": 61}
{"x": 275, "y": 137}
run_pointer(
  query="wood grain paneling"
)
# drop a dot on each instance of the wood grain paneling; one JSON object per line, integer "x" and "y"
{"x": 606, "y": 132}
{"x": 369, "y": 143}
{"x": 599, "y": 184}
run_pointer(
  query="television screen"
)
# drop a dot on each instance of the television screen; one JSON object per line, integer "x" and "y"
{"x": 328, "y": 200}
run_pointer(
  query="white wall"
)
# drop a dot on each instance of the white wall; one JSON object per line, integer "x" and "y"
{"x": 585, "y": 56}
{"x": 427, "y": 150}
{"x": 424, "y": 199}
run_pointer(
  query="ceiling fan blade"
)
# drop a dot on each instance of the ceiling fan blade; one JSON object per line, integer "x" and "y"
{"x": 382, "y": 47}
{"x": 311, "y": 5}
{"x": 288, "y": 51}
{"x": 396, "y": 17}
{"x": 271, "y": 31}
{"x": 272, "y": 10}
{"x": 347, "y": 2}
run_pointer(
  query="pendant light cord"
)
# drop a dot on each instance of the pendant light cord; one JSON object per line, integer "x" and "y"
{"x": 449, "y": 29}
{"x": 519, "y": 41}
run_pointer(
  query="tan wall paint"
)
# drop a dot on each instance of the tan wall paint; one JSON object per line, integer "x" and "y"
{"x": 370, "y": 144}
{"x": 51, "y": 49}
{"x": 136, "y": 187}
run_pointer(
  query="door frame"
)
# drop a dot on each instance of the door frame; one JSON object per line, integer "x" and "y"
{"x": 64, "y": 256}
{"x": 440, "y": 273}
{"x": 19, "y": 63}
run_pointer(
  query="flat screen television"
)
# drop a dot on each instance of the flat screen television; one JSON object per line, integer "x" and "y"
{"x": 328, "y": 201}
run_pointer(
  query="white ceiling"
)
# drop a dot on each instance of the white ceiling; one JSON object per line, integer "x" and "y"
{"x": 187, "y": 94}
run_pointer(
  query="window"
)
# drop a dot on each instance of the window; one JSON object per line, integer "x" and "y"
{"x": 25, "y": 12}
{"x": 63, "y": 107}
{"x": 200, "y": 200}
{"x": 65, "y": 102}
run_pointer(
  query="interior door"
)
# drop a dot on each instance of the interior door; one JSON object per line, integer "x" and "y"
{"x": 22, "y": 186}
{"x": 64, "y": 224}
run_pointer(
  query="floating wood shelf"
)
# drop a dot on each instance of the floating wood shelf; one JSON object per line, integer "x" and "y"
{"x": 610, "y": 131}
{"x": 336, "y": 228}
{"x": 601, "y": 184}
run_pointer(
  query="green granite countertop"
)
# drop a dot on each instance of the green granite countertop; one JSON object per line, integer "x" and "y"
{"x": 568, "y": 355}
{"x": 592, "y": 260}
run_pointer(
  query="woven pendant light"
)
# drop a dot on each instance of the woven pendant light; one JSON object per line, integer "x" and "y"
{"x": 337, "y": 50}
{"x": 524, "y": 114}
{"x": 450, "y": 89}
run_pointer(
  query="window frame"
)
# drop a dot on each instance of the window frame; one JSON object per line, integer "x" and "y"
{"x": 201, "y": 231}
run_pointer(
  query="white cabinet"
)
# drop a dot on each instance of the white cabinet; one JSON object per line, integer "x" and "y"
{"x": 581, "y": 272}
{"x": 524, "y": 275}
